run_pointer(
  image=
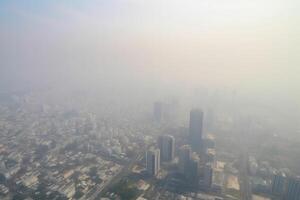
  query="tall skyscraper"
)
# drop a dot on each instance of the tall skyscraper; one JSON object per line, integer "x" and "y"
{"x": 166, "y": 144}
{"x": 153, "y": 161}
{"x": 293, "y": 189}
{"x": 195, "y": 131}
{"x": 185, "y": 153}
{"x": 158, "y": 111}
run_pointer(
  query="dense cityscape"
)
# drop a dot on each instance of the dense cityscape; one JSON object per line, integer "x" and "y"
{"x": 149, "y": 100}
{"x": 51, "y": 152}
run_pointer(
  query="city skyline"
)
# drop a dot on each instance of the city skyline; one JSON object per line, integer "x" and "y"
{"x": 149, "y": 100}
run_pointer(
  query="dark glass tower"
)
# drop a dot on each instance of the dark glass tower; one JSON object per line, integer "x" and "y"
{"x": 196, "y": 126}
{"x": 166, "y": 144}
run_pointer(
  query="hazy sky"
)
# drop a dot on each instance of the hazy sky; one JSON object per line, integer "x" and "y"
{"x": 250, "y": 44}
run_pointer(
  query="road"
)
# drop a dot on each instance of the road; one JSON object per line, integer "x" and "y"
{"x": 125, "y": 171}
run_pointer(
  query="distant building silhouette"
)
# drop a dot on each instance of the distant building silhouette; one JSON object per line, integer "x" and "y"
{"x": 195, "y": 129}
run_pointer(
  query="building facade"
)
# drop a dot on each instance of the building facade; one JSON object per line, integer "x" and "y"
{"x": 279, "y": 183}
{"x": 293, "y": 189}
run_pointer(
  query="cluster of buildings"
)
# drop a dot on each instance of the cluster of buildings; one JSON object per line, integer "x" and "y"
{"x": 195, "y": 160}
{"x": 164, "y": 153}
{"x": 49, "y": 151}
{"x": 278, "y": 184}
